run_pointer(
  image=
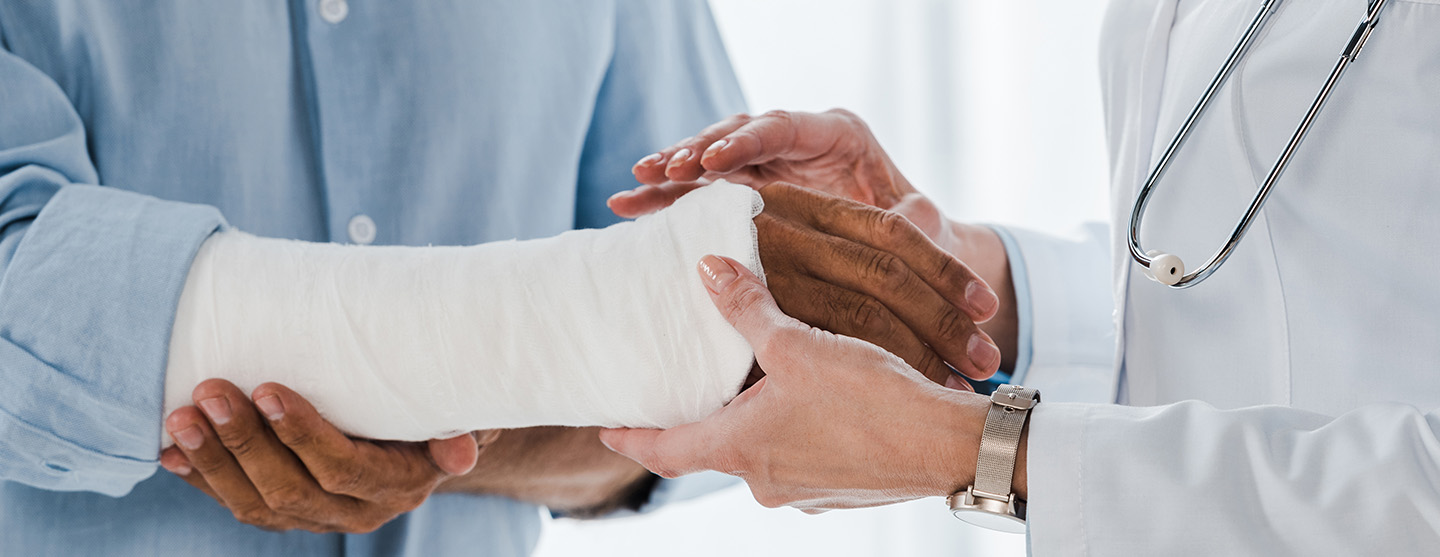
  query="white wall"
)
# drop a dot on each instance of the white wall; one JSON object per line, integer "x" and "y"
{"x": 992, "y": 108}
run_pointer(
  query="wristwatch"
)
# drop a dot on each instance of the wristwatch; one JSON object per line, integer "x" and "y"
{"x": 989, "y": 502}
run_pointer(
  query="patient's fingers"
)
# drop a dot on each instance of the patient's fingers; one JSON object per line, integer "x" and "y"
{"x": 228, "y": 483}
{"x": 365, "y": 470}
{"x": 284, "y": 483}
{"x": 457, "y": 455}
{"x": 173, "y": 460}
{"x": 208, "y": 457}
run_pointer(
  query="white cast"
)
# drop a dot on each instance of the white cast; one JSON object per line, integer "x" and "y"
{"x": 1292, "y": 397}
{"x": 604, "y": 327}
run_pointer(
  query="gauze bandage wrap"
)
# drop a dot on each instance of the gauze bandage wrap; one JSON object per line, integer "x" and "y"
{"x": 607, "y": 327}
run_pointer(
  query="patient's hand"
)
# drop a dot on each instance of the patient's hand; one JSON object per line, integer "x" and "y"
{"x": 278, "y": 465}
{"x": 862, "y": 272}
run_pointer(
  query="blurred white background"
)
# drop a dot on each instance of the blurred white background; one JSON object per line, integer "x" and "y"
{"x": 992, "y": 109}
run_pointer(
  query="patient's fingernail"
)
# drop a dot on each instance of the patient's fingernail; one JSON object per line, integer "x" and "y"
{"x": 178, "y": 469}
{"x": 650, "y": 159}
{"x": 717, "y": 272}
{"x": 190, "y": 437}
{"x": 984, "y": 354}
{"x": 271, "y": 407}
{"x": 218, "y": 409}
{"x": 714, "y": 148}
{"x": 679, "y": 158}
{"x": 954, "y": 382}
{"x": 981, "y": 297}
{"x": 618, "y": 195}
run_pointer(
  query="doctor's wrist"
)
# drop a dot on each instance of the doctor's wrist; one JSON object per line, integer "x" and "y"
{"x": 963, "y": 415}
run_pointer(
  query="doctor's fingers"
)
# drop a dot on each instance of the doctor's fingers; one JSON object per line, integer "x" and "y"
{"x": 743, "y": 140}
{"x": 681, "y": 162}
{"x": 911, "y": 304}
{"x": 784, "y": 135}
{"x": 668, "y": 453}
{"x": 714, "y": 443}
{"x": 212, "y": 469}
{"x": 888, "y": 232}
{"x": 649, "y": 198}
{"x": 394, "y": 475}
{"x": 852, "y": 314}
{"x": 751, "y": 309}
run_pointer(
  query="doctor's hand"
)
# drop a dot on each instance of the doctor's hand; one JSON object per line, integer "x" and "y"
{"x": 836, "y": 422}
{"x": 832, "y": 151}
{"x": 278, "y": 465}
{"x": 859, "y": 271}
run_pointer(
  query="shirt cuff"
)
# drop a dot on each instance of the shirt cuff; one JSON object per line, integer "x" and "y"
{"x": 1020, "y": 279}
{"x": 86, "y": 307}
{"x": 1065, "y": 310}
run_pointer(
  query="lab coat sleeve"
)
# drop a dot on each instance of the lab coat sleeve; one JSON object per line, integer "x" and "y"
{"x": 89, "y": 280}
{"x": 1187, "y": 479}
{"x": 669, "y": 77}
{"x": 1066, "y": 312}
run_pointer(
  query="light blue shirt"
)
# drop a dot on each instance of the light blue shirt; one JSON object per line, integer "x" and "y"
{"x": 130, "y": 131}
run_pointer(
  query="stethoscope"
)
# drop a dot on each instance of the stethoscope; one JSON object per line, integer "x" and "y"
{"x": 1167, "y": 268}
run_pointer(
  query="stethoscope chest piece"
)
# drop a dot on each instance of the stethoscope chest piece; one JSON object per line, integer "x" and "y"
{"x": 1164, "y": 268}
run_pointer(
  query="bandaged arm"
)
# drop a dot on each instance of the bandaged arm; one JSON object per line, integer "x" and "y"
{"x": 606, "y": 327}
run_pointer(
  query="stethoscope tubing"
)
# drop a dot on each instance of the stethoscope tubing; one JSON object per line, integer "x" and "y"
{"x": 1142, "y": 200}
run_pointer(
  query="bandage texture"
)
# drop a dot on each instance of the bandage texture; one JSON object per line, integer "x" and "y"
{"x": 608, "y": 327}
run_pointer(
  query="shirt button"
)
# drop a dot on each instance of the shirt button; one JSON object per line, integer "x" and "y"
{"x": 334, "y": 11}
{"x": 361, "y": 229}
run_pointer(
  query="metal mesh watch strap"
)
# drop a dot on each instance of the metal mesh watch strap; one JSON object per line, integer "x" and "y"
{"x": 1001, "y": 440}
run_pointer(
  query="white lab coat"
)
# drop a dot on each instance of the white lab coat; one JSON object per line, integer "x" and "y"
{"x": 1286, "y": 406}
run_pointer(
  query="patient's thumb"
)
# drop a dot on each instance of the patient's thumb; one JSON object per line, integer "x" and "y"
{"x": 457, "y": 455}
{"x": 743, "y": 299}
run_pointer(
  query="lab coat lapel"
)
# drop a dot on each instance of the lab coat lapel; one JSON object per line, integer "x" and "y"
{"x": 1133, "y": 56}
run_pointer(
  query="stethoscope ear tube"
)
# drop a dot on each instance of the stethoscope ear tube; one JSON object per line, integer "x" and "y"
{"x": 1168, "y": 269}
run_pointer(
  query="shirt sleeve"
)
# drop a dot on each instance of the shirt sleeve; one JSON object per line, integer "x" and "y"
{"x": 669, "y": 77}
{"x": 91, "y": 279}
{"x": 1188, "y": 479}
{"x": 1066, "y": 336}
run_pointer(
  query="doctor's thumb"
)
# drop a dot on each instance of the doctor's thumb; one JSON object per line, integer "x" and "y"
{"x": 743, "y": 300}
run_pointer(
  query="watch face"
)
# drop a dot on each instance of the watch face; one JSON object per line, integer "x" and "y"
{"x": 1001, "y": 522}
